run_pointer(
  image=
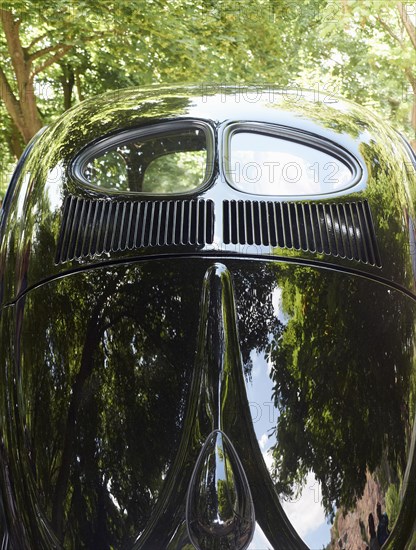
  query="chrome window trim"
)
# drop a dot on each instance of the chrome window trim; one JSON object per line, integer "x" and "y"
{"x": 294, "y": 135}
{"x": 79, "y": 163}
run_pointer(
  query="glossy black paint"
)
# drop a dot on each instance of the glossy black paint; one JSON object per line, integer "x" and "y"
{"x": 128, "y": 378}
{"x": 112, "y": 420}
{"x": 387, "y": 182}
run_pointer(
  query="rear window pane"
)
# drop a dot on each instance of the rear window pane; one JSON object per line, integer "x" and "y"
{"x": 269, "y": 165}
{"x": 164, "y": 164}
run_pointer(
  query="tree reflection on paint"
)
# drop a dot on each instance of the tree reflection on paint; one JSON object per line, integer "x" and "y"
{"x": 341, "y": 383}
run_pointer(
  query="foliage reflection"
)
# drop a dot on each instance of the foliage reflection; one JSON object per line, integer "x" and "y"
{"x": 342, "y": 369}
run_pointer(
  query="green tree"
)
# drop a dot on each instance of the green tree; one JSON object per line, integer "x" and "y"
{"x": 371, "y": 56}
{"x": 55, "y": 53}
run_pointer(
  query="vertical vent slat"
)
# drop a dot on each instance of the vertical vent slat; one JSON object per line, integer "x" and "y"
{"x": 343, "y": 230}
{"x": 300, "y": 221}
{"x": 316, "y": 228}
{"x": 248, "y": 212}
{"x": 309, "y": 228}
{"x": 329, "y": 222}
{"x": 365, "y": 230}
{"x": 256, "y": 222}
{"x": 145, "y": 225}
{"x": 234, "y": 222}
{"x": 343, "y": 227}
{"x": 183, "y": 223}
{"x": 209, "y": 222}
{"x": 337, "y": 231}
{"x": 122, "y": 239}
{"x": 81, "y": 229}
{"x": 113, "y": 239}
{"x": 180, "y": 219}
{"x": 161, "y": 224}
{"x": 197, "y": 223}
{"x": 363, "y": 240}
{"x": 226, "y": 222}
{"x": 242, "y": 229}
{"x": 154, "y": 223}
{"x": 294, "y": 233}
{"x": 271, "y": 217}
{"x": 321, "y": 227}
{"x": 91, "y": 228}
{"x": 168, "y": 223}
{"x": 351, "y": 232}
{"x": 97, "y": 225}
{"x": 264, "y": 221}
{"x": 72, "y": 230}
{"x": 356, "y": 232}
{"x": 279, "y": 225}
{"x": 106, "y": 219}
{"x": 136, "y": 233}
{"x": 129, "y": 225}
{"x": 87, "y": 232}
{"x": 175, "y": 238}
{"x": 190, "y": 238}
{"x": 204, "y": 214}
{"x": 287, "y": 230}
{"x": 371, "y": 233}
{"x": 326, "y": 240}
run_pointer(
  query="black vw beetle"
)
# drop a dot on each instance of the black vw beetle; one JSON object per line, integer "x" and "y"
{"x": 207, "y": 330}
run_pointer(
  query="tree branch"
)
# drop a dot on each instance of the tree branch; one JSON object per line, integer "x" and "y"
{"x": 389, "y": 30}
{"x": 411, "y": 77}
{"x": 51, "y": 60}
{"x": 37, "y": 39}
{"x": 410, "y": 28}
{"x": 44, "y": 51}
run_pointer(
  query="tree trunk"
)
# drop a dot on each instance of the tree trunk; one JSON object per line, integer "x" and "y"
{"x": 15, "y": 141}
{"x": 67, "y": 80}
{"x": 79, "y": 86}
{"x": 21, "y": 107}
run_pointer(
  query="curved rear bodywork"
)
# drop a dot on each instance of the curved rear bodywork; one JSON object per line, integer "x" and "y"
{"x": 208, "y": 311}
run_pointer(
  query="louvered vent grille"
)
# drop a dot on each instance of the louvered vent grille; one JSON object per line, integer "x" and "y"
{"x": 344, "y": 230}
{"x": 94, "y": 227}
